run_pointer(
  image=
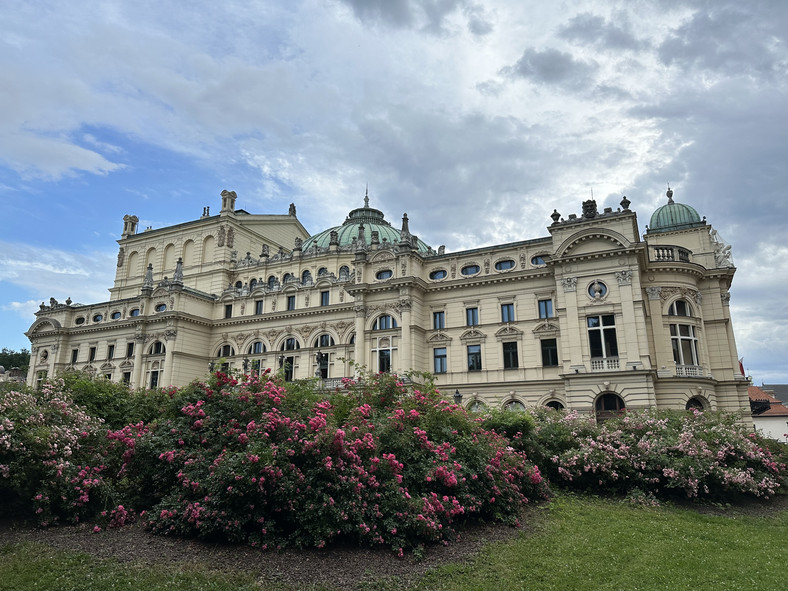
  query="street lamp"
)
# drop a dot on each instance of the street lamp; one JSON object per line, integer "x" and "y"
{"x": 457, "y": 398}
{"x": 281, "y": 361}
{"x": 211, "y": 366}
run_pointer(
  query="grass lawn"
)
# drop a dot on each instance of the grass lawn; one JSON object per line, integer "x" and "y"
{"x": 579, "y": 543}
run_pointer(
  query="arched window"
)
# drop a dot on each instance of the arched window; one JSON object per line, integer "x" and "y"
{"x": 157, "y": 348}
{"x": 271, "y": 282}
{"x": 514, "y": 406}
{"x": 344, "y": 273}
{"x": 253, "y": 284}
{"x": 608, "y": 406}
{"x": 555, "y": 405}
{"x": 257, "y": 347}
{"x": 477, "y": 406}
{"x": 384, "y": 322}
{"x": 239, "y": 284}
{"x": 324, "y": 340}
{"x": 322, "y": 271}
{"x": 225, "y": 351}
{"x": 306, "y": 278}
{"x": 694, "y": 403}
{"x": 290, "y": 344}
{"x": 287, "y": 277}
{"x": 680, "y": 308}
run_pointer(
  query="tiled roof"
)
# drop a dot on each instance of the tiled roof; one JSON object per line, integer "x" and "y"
{"x": 776, "y": 408}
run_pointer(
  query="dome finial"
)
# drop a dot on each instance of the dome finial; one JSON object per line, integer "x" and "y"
{"x": 366, "y": 197}
{"x": 669, "y": 194}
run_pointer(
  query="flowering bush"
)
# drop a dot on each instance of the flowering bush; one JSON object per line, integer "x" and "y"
{"x": 373, "y": 464}
{"x": 51, "y": 457}
{"x": 656, "y": 452}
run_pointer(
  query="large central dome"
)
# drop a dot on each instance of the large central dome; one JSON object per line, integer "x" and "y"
{"x": 372, "y": 220}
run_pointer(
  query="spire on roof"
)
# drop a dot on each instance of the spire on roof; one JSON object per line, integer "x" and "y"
{"x": 366, "y": 197}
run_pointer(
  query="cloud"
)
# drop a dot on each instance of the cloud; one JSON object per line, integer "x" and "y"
{"x": 428, "y": 15}
{"x": 554, "y": 68}
{"x": 594, "y": 30}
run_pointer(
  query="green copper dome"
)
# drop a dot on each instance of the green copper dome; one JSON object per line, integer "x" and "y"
{"x": 674, "y": 216}
{"x": 371, "y": 220}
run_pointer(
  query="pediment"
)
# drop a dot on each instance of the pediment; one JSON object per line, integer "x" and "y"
{"x": 125, "y": 363}
{"x": 381, "y": 256}
{"x": 546, "y": 328}
{"x": 507, "y": 331}
{"x": 107, "y": 365}
{"x": 472, "y": 334}
{"x": 439, "y": 337}
{"x": 592, "y": 241}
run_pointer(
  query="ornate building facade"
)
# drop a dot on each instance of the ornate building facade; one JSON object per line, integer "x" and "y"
{"x": 593, "y": 317}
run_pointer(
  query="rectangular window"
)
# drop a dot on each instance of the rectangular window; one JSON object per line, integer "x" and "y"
{"x": 291, "y": 302}
{"x": 129, "y": 350}
{"x": 510, "y": 360}
{"x": 258, "y": 307}
{"x": 439, "y": 357}
{"x": 324, "y": 298}
{"x": 685, "y": 344}
{"x": 111, "y": 352}
{"x": 439, "y": 320}
{"x": 322, "y": 365}
{"x": 471, "y": 316}
{"x": 549, "y": 352}
{"x": 602, "y": 336}
{"x": 507, "y": 312}
{"x": 545, "y": 308}
{"x": 108, "y": 376}
{"x": 154, "y": 379}
{"x": 384, "y": 361}
{"x": 74, "y": 356}
{"x": 126, "y": 377}
{"x": 474, "y": 357}
{"x": 92, "y": 354}
{"x": 228, "y": 311}
{"x": 288, "y": 363}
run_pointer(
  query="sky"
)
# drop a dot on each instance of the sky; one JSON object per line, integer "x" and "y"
{"x": 477, "y": 118}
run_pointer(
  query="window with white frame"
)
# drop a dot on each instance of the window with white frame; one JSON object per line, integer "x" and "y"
{"x": 602, "y": 335}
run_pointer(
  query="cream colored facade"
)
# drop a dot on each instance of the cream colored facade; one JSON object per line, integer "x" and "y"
{"x": 591, "y": 317}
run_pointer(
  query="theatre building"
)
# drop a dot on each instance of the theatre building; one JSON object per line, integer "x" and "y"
{"x": 592, "y": 316}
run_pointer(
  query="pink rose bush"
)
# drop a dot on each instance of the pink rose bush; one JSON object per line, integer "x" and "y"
{"x": 655, "y": 453}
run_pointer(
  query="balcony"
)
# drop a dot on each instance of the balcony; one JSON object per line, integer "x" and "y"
{"x": 689, "y": 371}
{"x": 605, "y": 364}
{"x": 669, "y": 254}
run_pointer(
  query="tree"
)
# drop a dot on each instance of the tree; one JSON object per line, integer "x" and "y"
{"x": 10, "y": 358}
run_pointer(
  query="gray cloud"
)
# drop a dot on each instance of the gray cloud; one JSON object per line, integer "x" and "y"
{"x": 595, "y": 30}
{"x": 429, "y": 15}
{"x": 552, "y": 67}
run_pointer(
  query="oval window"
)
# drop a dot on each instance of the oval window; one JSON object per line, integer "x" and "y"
{"x": 80, "y": 320}
{"x": 135, "y": 312}
{"x": 385, "y": 274}
{"x": 98, "y": 318}
{"x": 161, "y": 307}
{"x": 115, "y": 315}
{"x": 437, "y": 275}
{"x": 504, "y": 265}
{"x": 537, "y": 260}
{"x": 470, "y": 269}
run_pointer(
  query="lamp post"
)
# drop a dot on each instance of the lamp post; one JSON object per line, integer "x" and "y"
{"x": 281, "y": 361}
{"x": 457, "y": 398}
{"x": 211, "y": 366}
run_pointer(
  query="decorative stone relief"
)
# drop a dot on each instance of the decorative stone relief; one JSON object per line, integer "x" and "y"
{"x": 453, "y": 270}
{"x": 654, "y": 293}
{"x": 306, "y": 299}
{"x": 726, "y": 298}
{"x": 486, "y": 265}
{"x": 699, "y": 298}
{"x": 220, "y": 236}
{"x": 230, "y": 237}
{"x": 522, "y": 261}
{"x": 569, "y": 283}
{"x": 121, "y": 256}
{"x": 624, "y": 277}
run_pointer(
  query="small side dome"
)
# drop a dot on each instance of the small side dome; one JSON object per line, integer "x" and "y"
{"x": 674, "y": 216}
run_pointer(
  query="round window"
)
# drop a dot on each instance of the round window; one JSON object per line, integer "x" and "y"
{"x": 470, "y": 269}
{"x": 537, "y": 260}
{"x": 80, "y": 320}
{"x": 135, "y": 312}
{"x": 437, "y": 275}
{"x": 161, "y": 307}
{"x": 597, "y": 290}
{"x": 115, "y": 315}
{"x": 504, "y": 265}
{"x": 98, "y": 318}
{"x": 384, "y": 274}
